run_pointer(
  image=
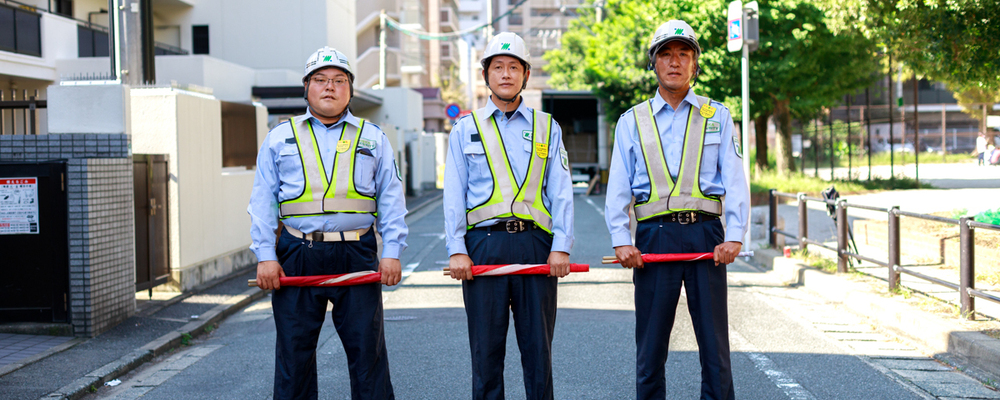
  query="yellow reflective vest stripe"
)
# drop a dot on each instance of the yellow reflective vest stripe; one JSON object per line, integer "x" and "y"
{"x": 665, "y": 194}
{"x": 526, "y": 203}
{"x": 321, "y": 195}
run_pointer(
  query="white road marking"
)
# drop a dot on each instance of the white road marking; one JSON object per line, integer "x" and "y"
{"x": 591, "y": 202}
{"x": 149, "y": 378}
{"x": 408, "y": 269}
{"x": 781, "y": 379}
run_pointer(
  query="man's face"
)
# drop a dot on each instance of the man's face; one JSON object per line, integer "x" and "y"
{"x": 506, "y": 76}
{"x": 329, "y": 91}
{"x": 675, "y": 65}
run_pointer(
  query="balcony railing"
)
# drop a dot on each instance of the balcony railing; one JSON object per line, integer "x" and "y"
{"x": 20, "y": 29}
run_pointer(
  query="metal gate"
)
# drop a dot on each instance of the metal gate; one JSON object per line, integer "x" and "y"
{"x": 152, "y": 250}
{"x": 34, "y": 245}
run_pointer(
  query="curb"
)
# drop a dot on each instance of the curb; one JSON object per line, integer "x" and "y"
{"x": 421, "y": 206}
{"x": 970, "y": 348}
{"x": 81, "y": 387}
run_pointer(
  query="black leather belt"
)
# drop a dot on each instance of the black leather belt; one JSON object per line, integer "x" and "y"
{"x": 684, "y": 218}
{"x": 510, "y": 226}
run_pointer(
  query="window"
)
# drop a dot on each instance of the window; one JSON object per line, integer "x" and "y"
{"x": 239, "y": 135}
{"x": 199, "y": 39}
{"x": 515, "y": 19}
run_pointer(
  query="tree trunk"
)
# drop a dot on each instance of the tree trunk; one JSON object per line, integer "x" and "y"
{"x": 760, "y": 134}
{"x": 785, "y": 163}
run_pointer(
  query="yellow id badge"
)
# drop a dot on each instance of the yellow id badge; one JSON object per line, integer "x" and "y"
{"x": 542, "y": 149}
{"x": 707, "y": 111}
{"x": 343, "y": 145}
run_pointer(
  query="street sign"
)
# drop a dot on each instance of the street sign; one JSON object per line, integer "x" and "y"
{"x": 735, "y": 26}
{"x": 992, "y": 121}
{"x": 452, "y": 110}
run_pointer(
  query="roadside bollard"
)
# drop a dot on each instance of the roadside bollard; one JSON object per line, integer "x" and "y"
{"x": 803, "y": 221}
{"x": 893, "y": 259}
{"x": 967, "y": 269}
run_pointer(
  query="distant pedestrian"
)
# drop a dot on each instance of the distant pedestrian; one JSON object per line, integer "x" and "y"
{"x": 981, "y": 147}
{"x": 324, "y": 174}
{"x": 678, "y": 156}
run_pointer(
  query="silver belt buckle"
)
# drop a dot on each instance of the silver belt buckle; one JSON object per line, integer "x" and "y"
{"x": 513, "y": 226}
{"x": 685, "y": 218}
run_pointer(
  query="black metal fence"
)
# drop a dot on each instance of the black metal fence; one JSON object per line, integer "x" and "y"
{"x": 26, "y": 108}
{"x": 966, "y": 286}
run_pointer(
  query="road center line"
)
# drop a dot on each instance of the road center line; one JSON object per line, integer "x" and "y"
{"x": 781, "y": 379}
{"x": 591, "y": 202}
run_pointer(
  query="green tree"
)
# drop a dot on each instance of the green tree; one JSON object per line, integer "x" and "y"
{"x": 800, "y": 67}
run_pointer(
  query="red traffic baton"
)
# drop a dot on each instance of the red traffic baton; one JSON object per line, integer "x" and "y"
{"x": 518, "y": 269}
{"x": 353, "y": 278}
{"x": 656, "y": 258}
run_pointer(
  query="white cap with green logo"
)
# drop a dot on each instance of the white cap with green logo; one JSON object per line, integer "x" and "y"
{"x": 670, "y": 31}
{"x": 327, "y": 57}
{"x": 506, "y": 44}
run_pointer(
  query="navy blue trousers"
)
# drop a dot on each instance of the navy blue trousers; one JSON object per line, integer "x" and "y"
{"x": 489, "y": 301}
{"x": 357, "y": 314}
{"x": 657, "y": 291}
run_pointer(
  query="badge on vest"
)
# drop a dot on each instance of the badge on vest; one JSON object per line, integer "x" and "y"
{"x": 526, "y": 135}
{"x": 565, "y": 158}
{"x": 343, "y": 145}
{"x": 713, "y": 127}
{"x": 707, "y": 111}
{"x": 542, "y": 149}
{"x": 367, "y": 143}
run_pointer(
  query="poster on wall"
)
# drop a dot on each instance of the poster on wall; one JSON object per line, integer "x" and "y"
{"x": 18, "y": 206}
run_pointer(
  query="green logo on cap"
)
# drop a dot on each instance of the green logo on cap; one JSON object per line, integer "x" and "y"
{"x": 505, "y": 46}
{"x": 327, "y": 58}
{"x": 679, "y": 31}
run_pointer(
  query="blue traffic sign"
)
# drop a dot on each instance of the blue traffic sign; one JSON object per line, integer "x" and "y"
{"x": 452, "y": 110}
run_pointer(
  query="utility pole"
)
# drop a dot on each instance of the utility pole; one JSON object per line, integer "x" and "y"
{"x": 742, "y": 35}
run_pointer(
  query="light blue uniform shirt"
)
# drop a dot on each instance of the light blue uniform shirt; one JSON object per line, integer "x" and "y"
{"x": 721, "y": 166}
{"x": 280, "y": 177}
{"x": 468, "y": 181}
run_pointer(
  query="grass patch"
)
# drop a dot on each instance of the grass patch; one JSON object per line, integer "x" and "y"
{"x": 185, "y": 339}
{"x": 815, "y": 260}
{"x": 761, "y": 182}
{"x": 898, "y": 159}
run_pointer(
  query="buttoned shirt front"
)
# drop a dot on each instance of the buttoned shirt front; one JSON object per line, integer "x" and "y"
{"x": 280, "y": 177}
{"x": 721, "y": 166}
{"x": 469, "y": 182}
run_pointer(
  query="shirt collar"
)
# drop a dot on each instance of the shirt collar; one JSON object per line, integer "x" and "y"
{"x": 348, "y": 118}
{"x": 659, "y": 102}
{"x": 492, "y": 109}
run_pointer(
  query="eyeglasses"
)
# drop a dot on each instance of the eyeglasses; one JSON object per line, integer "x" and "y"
{"x": 337, "y": 82}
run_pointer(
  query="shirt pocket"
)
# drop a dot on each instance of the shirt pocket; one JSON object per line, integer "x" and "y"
{"x": 710, "y": 154}
{"x": 289, "y": 162}
{"x": 364, "y": 174}
{"x": 475, "y": 159}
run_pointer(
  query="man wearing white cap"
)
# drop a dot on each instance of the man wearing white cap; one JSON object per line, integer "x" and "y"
{"x": 678, "y": 155}
{"x": 329, "y": 177}
{"x": 508, "y": 199}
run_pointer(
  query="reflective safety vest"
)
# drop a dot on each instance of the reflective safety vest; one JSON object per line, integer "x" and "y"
{"x": 320, "y": 195}
{"x": 526, "y": 203}
{"x": 665, "y": 194}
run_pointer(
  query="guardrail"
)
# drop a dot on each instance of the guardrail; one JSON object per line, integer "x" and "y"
{"x": 966, "y": 286}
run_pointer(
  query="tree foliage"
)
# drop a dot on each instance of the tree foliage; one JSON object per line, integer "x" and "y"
{"x": 951, "y": 41}
{"x": 800, "y": 67}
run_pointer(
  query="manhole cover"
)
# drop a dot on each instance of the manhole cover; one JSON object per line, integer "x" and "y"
{"x": 400, "y": 318}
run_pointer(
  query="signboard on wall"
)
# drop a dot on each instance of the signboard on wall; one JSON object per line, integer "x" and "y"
{"x": 18, "y": 206}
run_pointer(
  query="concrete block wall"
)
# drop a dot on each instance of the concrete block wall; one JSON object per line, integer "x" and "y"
{"x": 100, "y": 222}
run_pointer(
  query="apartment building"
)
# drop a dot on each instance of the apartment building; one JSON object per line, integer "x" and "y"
{"x": 225, "y": 70}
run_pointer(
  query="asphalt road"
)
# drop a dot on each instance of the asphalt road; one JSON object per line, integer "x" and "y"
{"x": 777, "y": 354}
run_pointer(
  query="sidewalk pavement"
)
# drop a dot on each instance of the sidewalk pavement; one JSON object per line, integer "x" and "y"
{"x": 914, "y": 320}
{"x": 59, "y": 367}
